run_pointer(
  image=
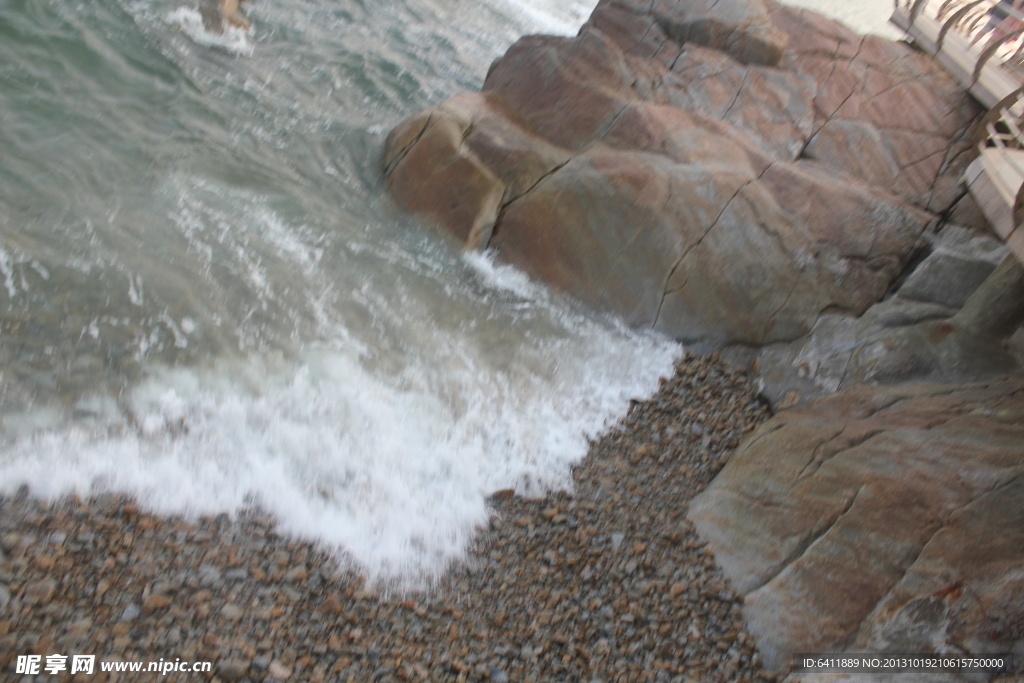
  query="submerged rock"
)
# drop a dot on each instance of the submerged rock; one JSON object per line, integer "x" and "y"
{"x": 721, "y": 172}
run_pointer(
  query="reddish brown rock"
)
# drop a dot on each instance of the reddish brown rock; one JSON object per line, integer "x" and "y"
{"x": 775, "y": 108}
{"x": 879, "y": 104}
{"x": 479, "y": 160}
{"x": 566, "y": 90}
{"x": 882, "y": 519}
{"x": 686, "y": 137}
{"x": 741, "y": 28}
{"x": 155, "y": 602}
{"x": 460, "y": 192}
{"x": 598, "y": 193}
{"x": 819, "y": 243}
{"x": 654, "y": 166}
{"x": 834, "y": 140}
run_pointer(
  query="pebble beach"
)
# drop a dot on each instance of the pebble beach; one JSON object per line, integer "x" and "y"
{"x": 606, "y": 582}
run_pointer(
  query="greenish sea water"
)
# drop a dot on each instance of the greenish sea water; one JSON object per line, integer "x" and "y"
{"x": 207, "y": 299}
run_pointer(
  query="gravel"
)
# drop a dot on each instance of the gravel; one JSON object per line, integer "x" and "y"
{"x": 606, "y": 583}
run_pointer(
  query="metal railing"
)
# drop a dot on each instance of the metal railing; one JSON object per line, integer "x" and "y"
{"x": 966, "y": 36}
{"x": 993, "y": 29}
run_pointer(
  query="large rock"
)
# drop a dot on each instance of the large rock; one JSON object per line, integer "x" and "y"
{"x": 774, "y": 108}
{"x": 791, "y": 374}
{"x": 477, "y": 162}
{"x": 881, "y": 519}
{"x": 809, "y": 241}
{"x": 676, "y": 164}
{"x": 916, "y": 125}
{"x": 741, "y": 28}
{"x": 636, "y": 215}
{"x": 950, "y": 321}
{"x": 958, "y": 263}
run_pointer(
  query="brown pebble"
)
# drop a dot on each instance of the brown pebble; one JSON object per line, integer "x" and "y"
{"x": 296, "y": 575}
{"x": 332, "y": 606}
{"x": 232, "y": 670}
{"x": 155, "y": 602}
{"x": 43, "y": 562}
{"x": 232, "y": 612}
{"x": 40, "y": 592}
{"x": 9, "y": 541}
{"x": 279, "y": 671}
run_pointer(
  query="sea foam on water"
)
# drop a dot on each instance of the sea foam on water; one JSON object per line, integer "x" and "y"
{"x": 390, "y": 469}
{"x": 234, "y": 39}
{"x": 219, "y": 223}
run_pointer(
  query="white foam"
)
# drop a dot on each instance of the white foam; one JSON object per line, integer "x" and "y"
{"x": 553, "y": 16}
{"x": 416, "y": 386}
{"x": 7, "y": 271}
{"x": 504, "y": 277}
{"x": 233, "y": 39}
{"x": 392, "y": 471}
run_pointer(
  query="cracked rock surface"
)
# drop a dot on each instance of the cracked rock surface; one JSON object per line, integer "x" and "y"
{"x": 721, "y": 172}
{"x": 883, "y": 519}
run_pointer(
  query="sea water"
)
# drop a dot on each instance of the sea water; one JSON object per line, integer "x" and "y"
{"x": 209, "y": 302}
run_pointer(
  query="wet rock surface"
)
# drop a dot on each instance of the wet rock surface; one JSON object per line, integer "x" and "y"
{"x": 610, "y": 582}
{"x": 652, "y": 167}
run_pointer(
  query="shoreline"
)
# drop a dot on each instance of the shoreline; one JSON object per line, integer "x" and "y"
{"x": 607, "y": 582}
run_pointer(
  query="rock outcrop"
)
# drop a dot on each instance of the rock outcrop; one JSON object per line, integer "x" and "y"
{"x": 950, "y": 321}
{"x": 739, "y": 173}
{"x": 954, "y": 268}
{"x": 722, "y": 172}
{"x": 884, "y": 519}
